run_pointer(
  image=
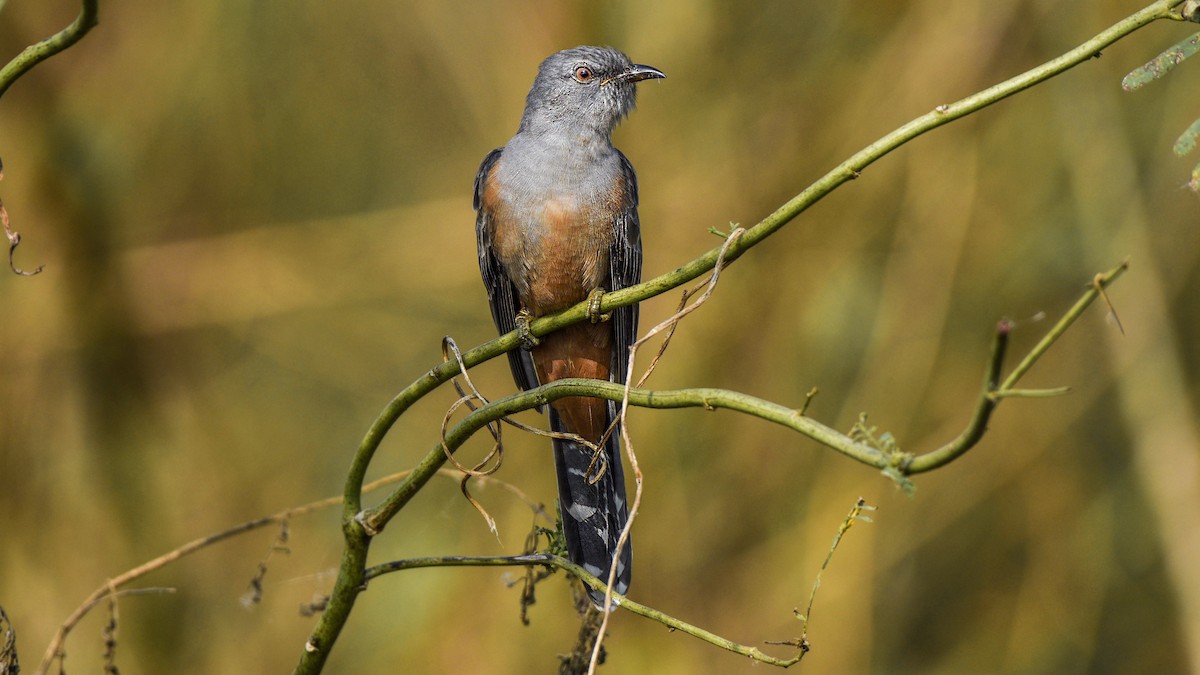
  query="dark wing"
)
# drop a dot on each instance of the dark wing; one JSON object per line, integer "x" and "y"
{"x": 625, "y": 269}
{"x": 501, "y": 295}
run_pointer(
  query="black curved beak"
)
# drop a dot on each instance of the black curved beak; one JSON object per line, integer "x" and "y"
{"x": 638, "y": 72}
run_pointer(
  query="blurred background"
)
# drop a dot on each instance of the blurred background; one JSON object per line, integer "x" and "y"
{"x": 256, "y": 224}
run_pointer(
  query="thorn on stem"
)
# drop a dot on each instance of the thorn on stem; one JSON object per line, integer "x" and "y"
{"x": 1098, "y": 284}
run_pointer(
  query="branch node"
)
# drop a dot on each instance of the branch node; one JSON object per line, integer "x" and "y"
{"x": 365, "y": 522}
{"x": 724, "y": 235}
{"x": 1190, "y": 11}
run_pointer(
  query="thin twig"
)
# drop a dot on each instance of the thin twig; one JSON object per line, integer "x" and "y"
{"x": 1099, "y": 283}
{"x": 855, "y": 515}
{"x": 110, "y": 634}
{"x": 105, "y": 590}
{"x": 994, "y": 390}
{"x": 14, "y": 239}
{"x": 480, "y": 470}
{"x": 592, "y": 581}
{"x": 669, "y": 325}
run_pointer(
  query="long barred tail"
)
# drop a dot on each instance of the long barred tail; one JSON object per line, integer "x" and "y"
{"x": 593, "y": 513}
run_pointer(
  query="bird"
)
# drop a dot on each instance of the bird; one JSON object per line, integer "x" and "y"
{"x": 556, "y": 224}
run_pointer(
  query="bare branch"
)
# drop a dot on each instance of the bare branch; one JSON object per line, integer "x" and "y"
{"x": 594, "y": 582}
{"x": 113, "y": 586}
{"x": 617, "y": 600}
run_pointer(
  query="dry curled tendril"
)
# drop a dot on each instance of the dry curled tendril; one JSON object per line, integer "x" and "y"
{"x": 14, "y": 238}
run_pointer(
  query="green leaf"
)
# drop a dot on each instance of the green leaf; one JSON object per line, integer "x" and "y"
{"x": 1161, "y": 64}
{"x": 1187, "y": 140}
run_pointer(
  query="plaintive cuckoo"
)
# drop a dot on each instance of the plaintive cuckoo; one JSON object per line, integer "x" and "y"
{"x": 556, "y": 224}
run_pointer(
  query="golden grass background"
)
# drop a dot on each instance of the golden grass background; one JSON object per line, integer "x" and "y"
{"x": 256, "y": 225}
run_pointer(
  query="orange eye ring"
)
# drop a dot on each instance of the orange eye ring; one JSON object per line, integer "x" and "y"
{"x": 583, "y": 74}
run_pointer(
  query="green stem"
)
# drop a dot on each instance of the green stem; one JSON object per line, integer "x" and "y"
{"x": 34, "y": 54}
{"x": 994, "y": 391}
{"x": 1101, "y": 282}
{"x": 376, "y": 519}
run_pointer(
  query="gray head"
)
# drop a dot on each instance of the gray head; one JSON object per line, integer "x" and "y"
{"x": 588, "y": 88}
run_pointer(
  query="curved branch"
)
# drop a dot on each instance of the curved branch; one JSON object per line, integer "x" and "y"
{"x": 903, "y": 464}
{"x": 375, "y": 519}
{"x": 89, "y": 17}
{"x": 994, "y": 390}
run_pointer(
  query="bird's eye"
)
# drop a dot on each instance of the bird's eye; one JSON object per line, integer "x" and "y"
{"x": 583, "y": 74}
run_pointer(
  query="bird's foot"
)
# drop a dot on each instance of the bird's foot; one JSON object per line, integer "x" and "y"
{"x": 593, "y": 306}
{"x": 528, "y": 339}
